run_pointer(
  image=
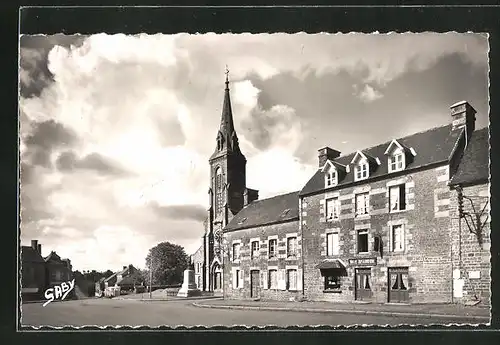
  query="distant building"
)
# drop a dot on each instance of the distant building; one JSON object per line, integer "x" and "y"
{"x": 33, "y": 280}
{"x": 379, "y": 224}
{"x": 126, "y": 279}
{"x": 39, "y": 273}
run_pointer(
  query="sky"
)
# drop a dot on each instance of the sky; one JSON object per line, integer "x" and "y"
{"x": 116, "y": 131}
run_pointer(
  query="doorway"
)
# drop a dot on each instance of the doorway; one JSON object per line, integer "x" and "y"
{"x": 363, "y": 284}
{"x": 398, "y": 285}
{"x": 255, "y": 284}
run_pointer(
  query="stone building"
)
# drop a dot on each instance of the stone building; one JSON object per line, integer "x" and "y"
{"x": 264, "y": 250}
{"x": 471, "y": 229}
{"x": 377, "y": 225}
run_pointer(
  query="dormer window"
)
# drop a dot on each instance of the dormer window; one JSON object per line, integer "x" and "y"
{"x": 396, "y": 161}
{"x": 361, "y": 170}
{"x": 331, "y": 178}
{"x": 398, "y": 156}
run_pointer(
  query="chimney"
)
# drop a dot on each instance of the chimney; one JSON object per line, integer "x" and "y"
{"x": 325, "y": 154}
{"x": 124, "y": 267}
{"x": 34, "y": 244}
{"x": 463, "y": 115}
{"x": 249, "y": 196}
{"x": 40, "y": 249}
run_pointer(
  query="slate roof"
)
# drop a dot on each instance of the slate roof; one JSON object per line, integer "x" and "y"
{"x": 432, "y": 146}
{"x": 122, "y": 272}
{"x": 474, "y": 165}
{"x": 278, "y": 209}
{"x": 28, "y": 254}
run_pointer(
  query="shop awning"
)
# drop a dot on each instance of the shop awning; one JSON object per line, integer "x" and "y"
{"x": 330, "y": 264}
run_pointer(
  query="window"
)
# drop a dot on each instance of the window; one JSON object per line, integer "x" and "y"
{"x": 332, "y": 244}
{"x": 291, "y": 279}
{"x": 397, "y": 198}
{"x": 332, "y": 208}
{"x": 396, "y": 161}
{"x": 397, "y": 234}
{"x": 361, "y": 171}
{"x": 218, "y": 190}
{"x": 272, "y": 248}
{"x": 236, "y": 251}
{"x": 291, "y": 246}
{"x": 255, "y": 250}
{"x": 363, "y": 241}
{"x": 362, "y": 204}
{"x": 331, "y": 178}
{"x": 332, "y": 282}
{"x": 273, "y": 279}
{"x": 237, "y": 277}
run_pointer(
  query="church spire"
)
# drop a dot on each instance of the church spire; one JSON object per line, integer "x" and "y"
{"x": 227, "y": 137}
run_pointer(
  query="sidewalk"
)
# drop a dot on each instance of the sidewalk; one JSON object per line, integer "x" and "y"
{"x": 479, "y": 314}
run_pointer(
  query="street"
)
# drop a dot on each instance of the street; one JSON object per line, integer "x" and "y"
{"x": 113, "y": 312}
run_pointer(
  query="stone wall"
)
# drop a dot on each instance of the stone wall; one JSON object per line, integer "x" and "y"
{"x": 471, "y": 253}
{"x": 426, "y": 226}
{"x": 246, "y": 264}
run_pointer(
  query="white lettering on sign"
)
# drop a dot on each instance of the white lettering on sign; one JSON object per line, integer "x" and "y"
{"x": 59, "y": 291}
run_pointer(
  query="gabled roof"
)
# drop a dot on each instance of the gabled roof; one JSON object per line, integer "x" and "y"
{"x": 474, "y": 165}
{"x": 280, "y": 208}
{"x": 330, "y": 163}
{"x": 122, "y": 272}
{"x": 52, "y": 256}
{"x": 28, "y": 254}
{"x": 398, "y": 144}
{"x": 433, "y": 146}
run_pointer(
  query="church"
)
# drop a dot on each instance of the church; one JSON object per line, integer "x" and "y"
{"x": 385, "y": 224}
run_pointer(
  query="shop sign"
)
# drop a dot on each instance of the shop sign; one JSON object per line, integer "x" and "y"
{"x": 363, "y": 262}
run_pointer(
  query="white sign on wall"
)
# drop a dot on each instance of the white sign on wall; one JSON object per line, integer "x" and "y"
{"x": 456, "y": 274}
{"x": 458, "y": 288}
{"x": 474, "y": 274}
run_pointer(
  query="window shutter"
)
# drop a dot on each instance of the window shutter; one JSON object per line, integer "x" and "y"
{"x": 281, "y": 279}
{"x": 299, "y": 280}
{"x": 265, "y": 284}
{"x": 241, "y": 280}
{"x": 234, "y": 278}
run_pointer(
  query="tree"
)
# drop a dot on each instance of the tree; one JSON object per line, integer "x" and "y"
{"x": 167, "y": 262}
{"x": 107, "y": 274}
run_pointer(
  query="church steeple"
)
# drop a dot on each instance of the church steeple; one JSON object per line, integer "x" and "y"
{"x": 227, "y": 140}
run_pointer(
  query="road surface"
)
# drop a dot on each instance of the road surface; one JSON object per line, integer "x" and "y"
{"x": 104, "y": 312}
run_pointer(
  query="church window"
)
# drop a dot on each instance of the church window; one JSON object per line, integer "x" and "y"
{"x": 218, "y": 191}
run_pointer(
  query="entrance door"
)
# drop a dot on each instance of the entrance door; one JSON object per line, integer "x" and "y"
{"x": 398, "y": 285}
{"x": 255, "y": 284}
{"x": 363, "y": 284}
{"x": 218, "y": 281}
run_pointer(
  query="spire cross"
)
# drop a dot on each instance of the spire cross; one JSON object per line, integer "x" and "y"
{"x": 227, "y": 74}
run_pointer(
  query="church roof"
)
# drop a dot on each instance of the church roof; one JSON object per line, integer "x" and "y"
{"x": 226, "y": 135}
{"x": 278, "y": 209}
{"x": 474, "y": 165}
{"x": 432, "y": 146}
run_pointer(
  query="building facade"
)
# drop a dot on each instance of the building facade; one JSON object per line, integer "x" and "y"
{"x": 39, "y": 273}
{"x": 377, "y": 225}
{"x": 33, "y": 278}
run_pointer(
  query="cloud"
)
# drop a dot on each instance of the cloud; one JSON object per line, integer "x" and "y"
{"x": 181, "y": 212}
{"x": 68, "y": 161}
{"x": 368, "y": 94}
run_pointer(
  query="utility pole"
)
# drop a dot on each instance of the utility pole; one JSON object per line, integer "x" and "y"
{"x": 151, "y": 279}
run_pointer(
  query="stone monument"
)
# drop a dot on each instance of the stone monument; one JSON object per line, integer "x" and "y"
{"x": 189, "y": 288}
